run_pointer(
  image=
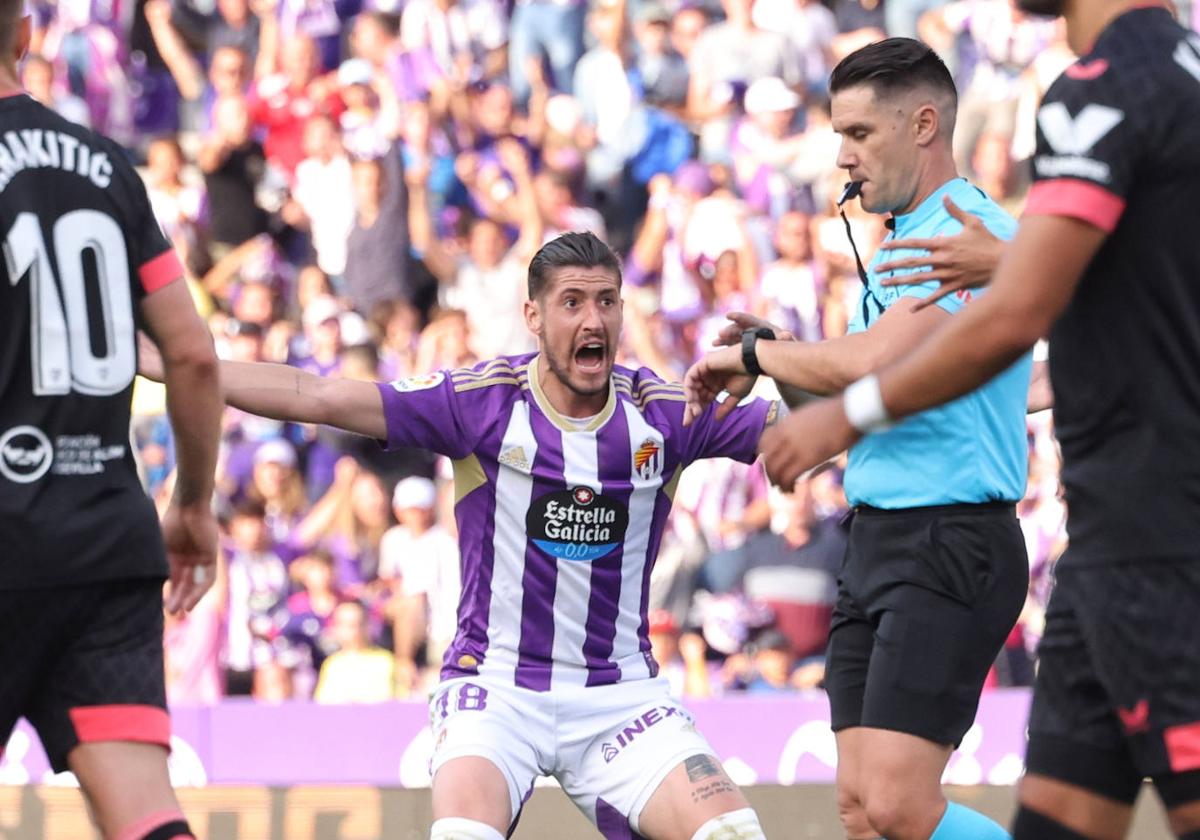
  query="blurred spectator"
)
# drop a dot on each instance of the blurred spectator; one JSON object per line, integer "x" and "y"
{"x": 348, "y": 522}
{"x": 661, "y": 71}
{"x": 487, "y": 282}
{"x": 310, "y": 610}
{"x": 377, "y": 251}
{"x": 283, "y": 103}
{"x": 358, "y": 672}
{"x": 681, "y": 658}
{"x": 795, "y": 572}
{"x": 810, "y": 27}
{"x": 325, "y": 193}
{"x": 258, "y": 588}
{"x": 275, "y": 483}
{"x": 232, "y": 25}
{"x": 770, "y": 664}
{"x": 727, "y": 58}
{"x": 229, "y": 69}
{"x": 467, "y": 38}
{"x": 419, "y": 561}
{"x": 411, "y": 74}
{"x": 233, "y": 164}
{"x": 995, "y": 42}
{"x": 790, "y": 287}
{"x": 37, "y": 75}
{"x": 179, "y": 207}
{"x": 192, "y": 652}
{"x": 765, "y": 145}
{"x": 550, "y": 29}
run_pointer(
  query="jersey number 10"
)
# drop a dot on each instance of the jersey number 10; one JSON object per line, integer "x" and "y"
{"x": 61, "y": 347}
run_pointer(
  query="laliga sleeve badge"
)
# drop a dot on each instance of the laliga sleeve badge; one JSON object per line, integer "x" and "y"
{"x": 423, "y": 382}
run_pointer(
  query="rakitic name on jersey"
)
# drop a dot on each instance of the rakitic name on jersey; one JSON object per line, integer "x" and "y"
{"x": 35, "y": 148}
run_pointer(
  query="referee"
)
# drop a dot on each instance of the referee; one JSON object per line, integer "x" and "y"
{"x": 935, "y": 572}
{"x": 1106, "y": 262}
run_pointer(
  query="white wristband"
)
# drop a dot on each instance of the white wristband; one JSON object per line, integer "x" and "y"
{"x": 863, "y": 403}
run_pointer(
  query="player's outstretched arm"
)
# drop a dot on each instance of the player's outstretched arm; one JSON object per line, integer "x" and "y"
{"x": 1034, "y": 283}
{"x": 287, "y": 393}
{"x": 189, "y": 369}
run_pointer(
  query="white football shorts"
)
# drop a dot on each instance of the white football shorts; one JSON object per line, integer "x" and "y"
{"x": 608, "y": 746}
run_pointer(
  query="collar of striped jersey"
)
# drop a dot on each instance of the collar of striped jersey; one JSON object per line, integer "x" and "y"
{"x": 555, "y": 417}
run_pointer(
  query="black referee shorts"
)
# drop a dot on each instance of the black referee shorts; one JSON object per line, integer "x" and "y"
{"x": 926, "y": 599}
{"x": 83, "y": 664}
{"x": 1117, "y": 696}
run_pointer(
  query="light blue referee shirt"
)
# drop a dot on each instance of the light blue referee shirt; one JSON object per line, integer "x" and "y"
{"x": 970, "y": 450}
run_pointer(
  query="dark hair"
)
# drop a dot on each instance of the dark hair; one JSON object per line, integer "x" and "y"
{"x": 574, "y": 250}
{"x": 894, "y": 65}
{"x": 11, "y": 13}
{"x": 249, "y": 509}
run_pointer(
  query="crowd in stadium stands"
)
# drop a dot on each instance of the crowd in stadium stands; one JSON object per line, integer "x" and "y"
{"x": 356, "y": 189}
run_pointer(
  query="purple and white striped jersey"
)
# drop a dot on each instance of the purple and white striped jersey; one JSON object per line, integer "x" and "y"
{"x": 559, "y": 523}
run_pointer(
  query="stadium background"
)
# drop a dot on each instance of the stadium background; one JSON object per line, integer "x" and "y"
{"x": 355, "y": 188}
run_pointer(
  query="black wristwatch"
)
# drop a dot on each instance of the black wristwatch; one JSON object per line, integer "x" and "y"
{"x": 750, "y": 348}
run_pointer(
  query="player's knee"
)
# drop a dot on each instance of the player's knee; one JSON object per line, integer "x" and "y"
{"x": 853, "y": 815}
{"x": 456, "y": 828}
{"x": 163, "y": 825}
{"x": 732, "y": 825}
{"x": 891, "y": 815}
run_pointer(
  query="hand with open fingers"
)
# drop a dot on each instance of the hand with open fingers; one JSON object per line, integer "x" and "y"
{"x": 805, "y": 439}
{"x": 960, "y": 262}
{"x": 739, "y": 322}
{"x": 150, "y": 363}
{"x": 190, "y": 533}
{"x": 720, "y": 370}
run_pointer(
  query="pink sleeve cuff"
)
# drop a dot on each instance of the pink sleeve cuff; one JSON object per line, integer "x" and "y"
{"x": 1077, "y": 200}
{"x": 160, "y": 271}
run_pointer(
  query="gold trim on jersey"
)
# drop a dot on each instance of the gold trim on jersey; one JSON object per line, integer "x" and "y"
{"x": 468, "y": 477}
{"x": 502, "y": 379}
{"x": 491, "y": 368}
{"x": 552, "y": 414}
{"x": 673, "y": 484}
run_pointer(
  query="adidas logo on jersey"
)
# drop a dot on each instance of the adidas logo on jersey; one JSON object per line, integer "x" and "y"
{"x": 514, "y": 457}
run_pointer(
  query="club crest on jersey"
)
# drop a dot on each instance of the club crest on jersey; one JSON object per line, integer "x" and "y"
{"x": 25, "y": 454}
{"x": 577, "y": 524}
{"x": 422, "y": 382}
{"x": 647, "y": 460}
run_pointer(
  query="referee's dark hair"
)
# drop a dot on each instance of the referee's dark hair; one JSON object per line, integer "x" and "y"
{"x": 576, "y": 250}
{"x": 897, "y": 66}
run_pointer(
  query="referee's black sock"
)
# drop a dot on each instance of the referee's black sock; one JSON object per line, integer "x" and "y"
{"x": 1030, "y": 825}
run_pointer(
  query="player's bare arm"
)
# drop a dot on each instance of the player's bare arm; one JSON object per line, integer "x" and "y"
{"x": 287, "y": 393}
{"x": 189, "y": 369}
{"x": 1034, "y": 282}
{"x": 824, "y": 367}
{"x": 966, "y": 260}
